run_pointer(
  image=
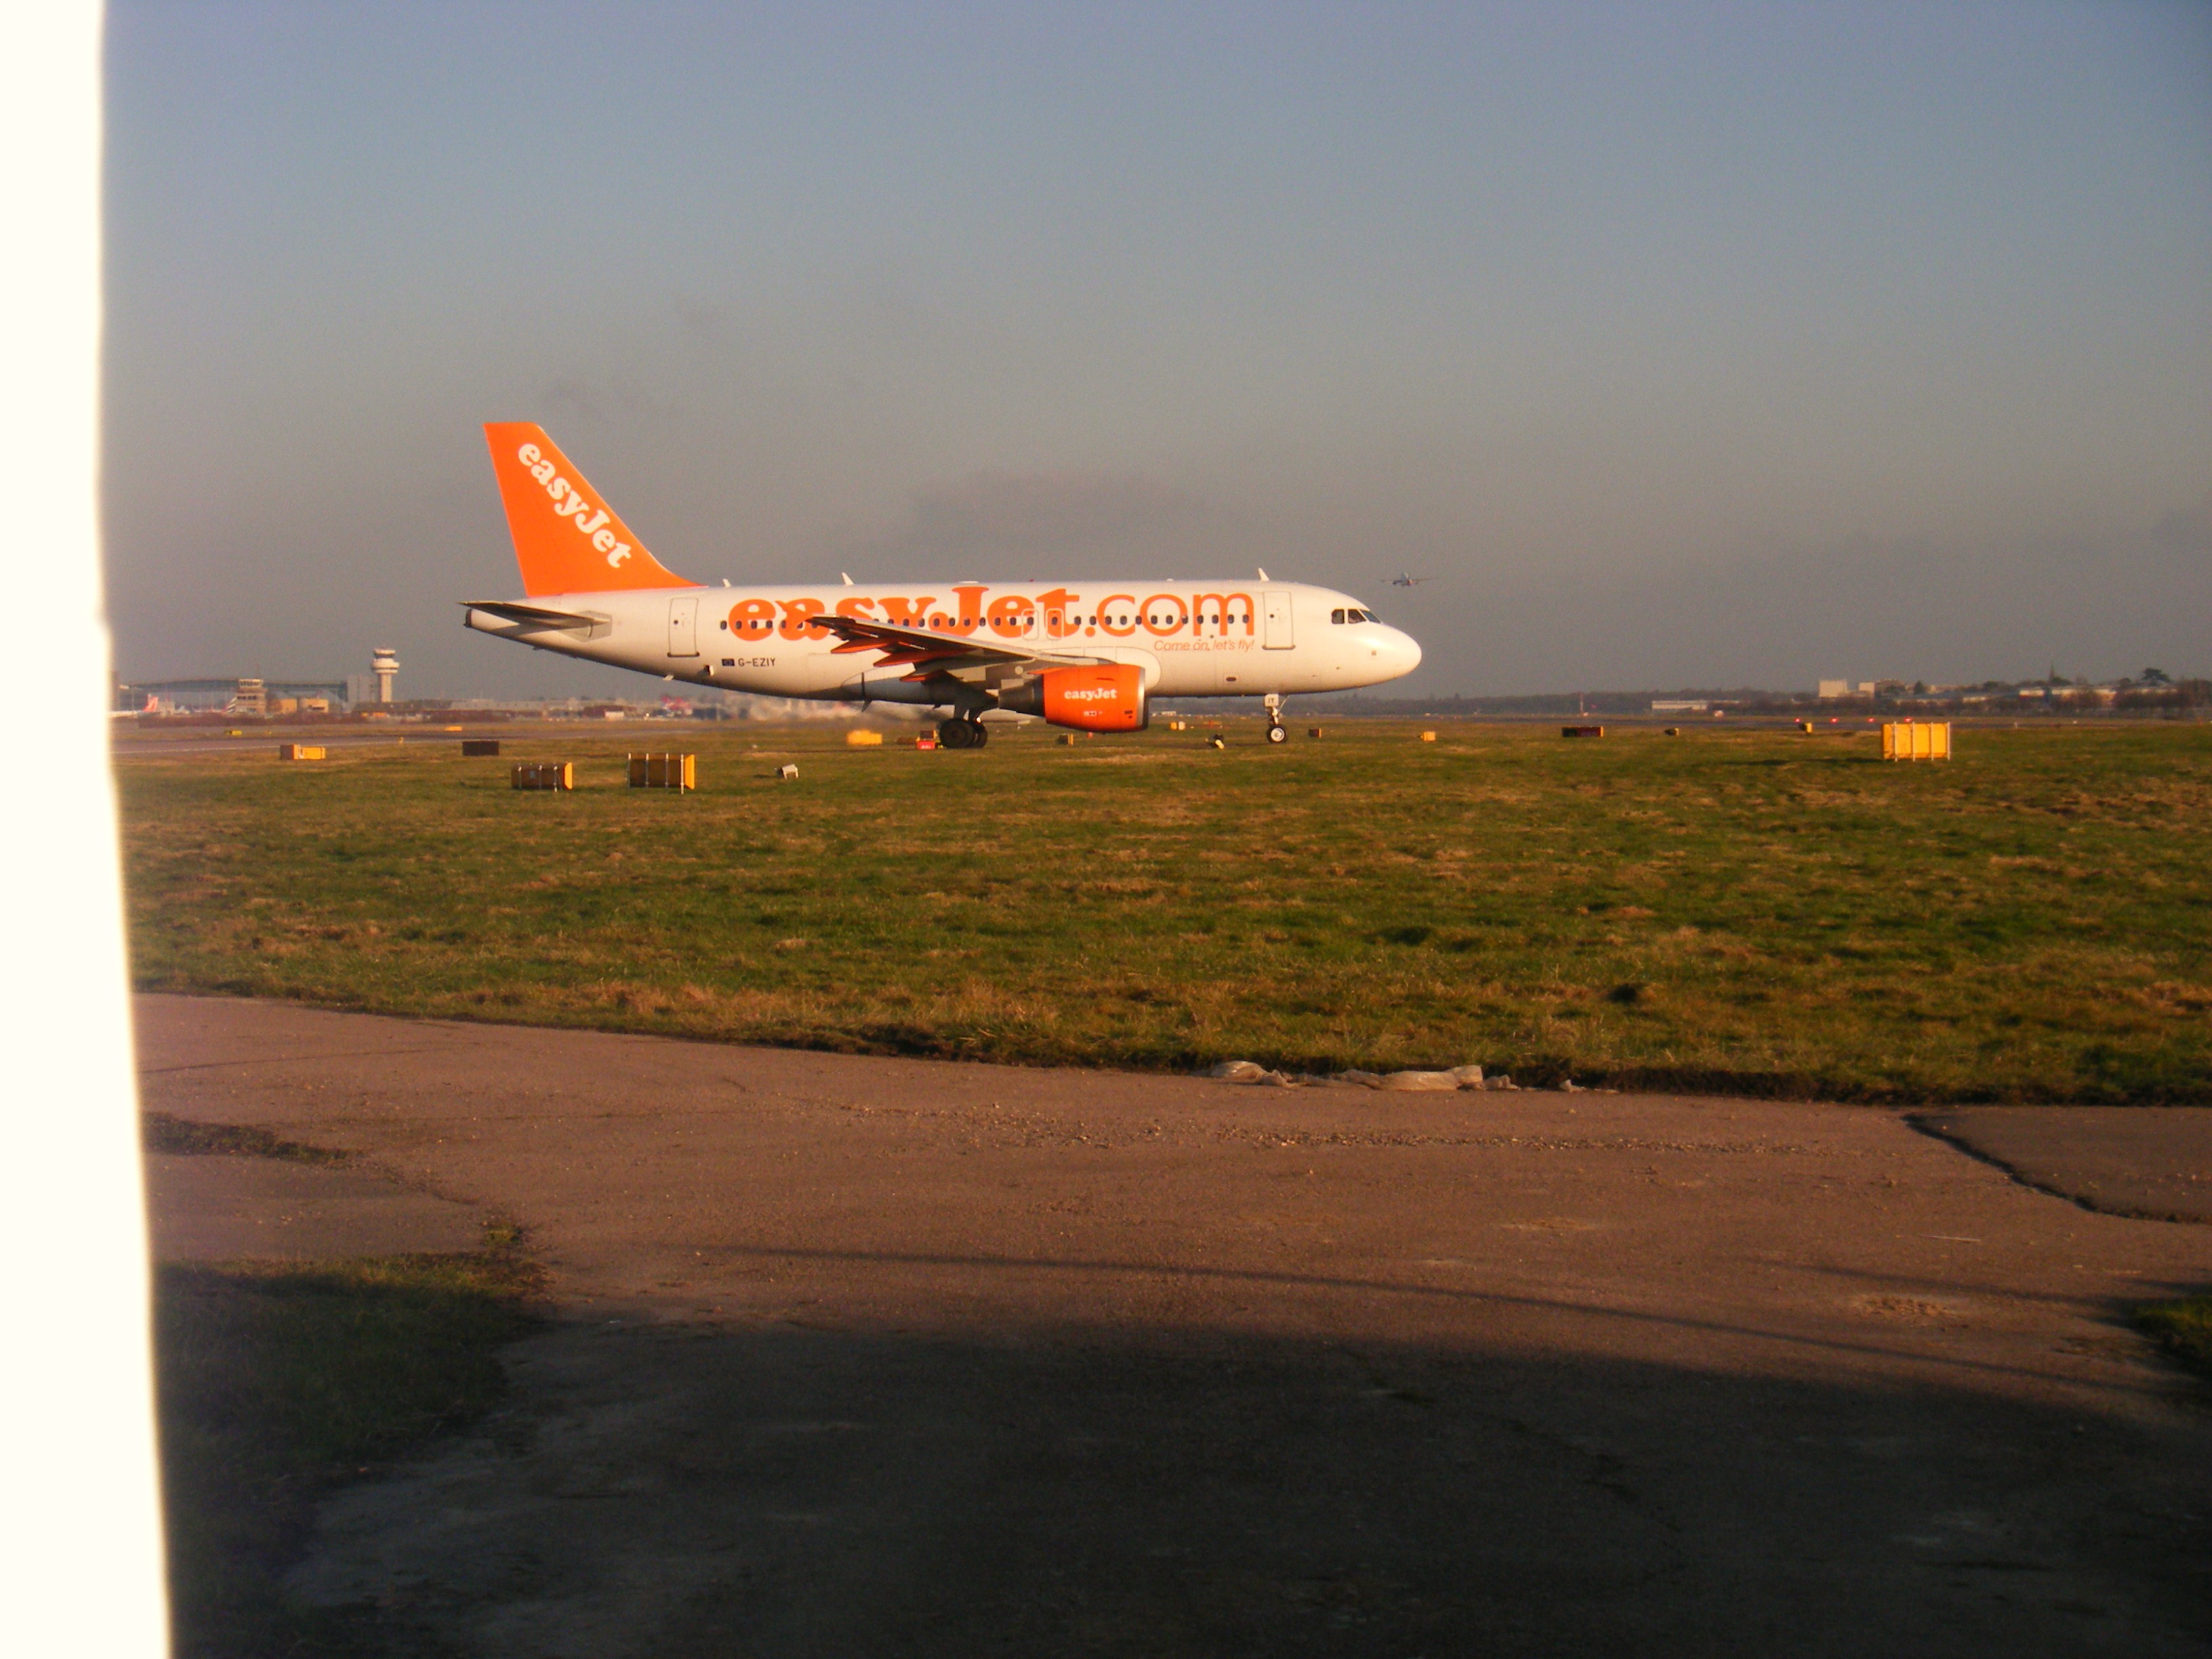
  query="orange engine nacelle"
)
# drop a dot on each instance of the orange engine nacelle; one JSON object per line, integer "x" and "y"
{"x": 1110, "y": 698}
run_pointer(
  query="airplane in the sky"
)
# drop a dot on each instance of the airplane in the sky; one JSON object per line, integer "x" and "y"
{"x": 1091, "y": 656}
{"x": 1406, "y": 579}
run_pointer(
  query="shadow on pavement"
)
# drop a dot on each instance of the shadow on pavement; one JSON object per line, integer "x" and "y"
{"x": 677, "y": 1489}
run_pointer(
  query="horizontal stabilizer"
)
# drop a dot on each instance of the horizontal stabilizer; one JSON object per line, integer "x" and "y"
{"x": 535, "y": 616}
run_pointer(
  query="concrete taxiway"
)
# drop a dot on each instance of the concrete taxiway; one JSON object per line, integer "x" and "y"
{"x": 864, "y": 1356}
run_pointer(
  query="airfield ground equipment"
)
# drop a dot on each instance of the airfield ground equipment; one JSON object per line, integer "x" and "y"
{"x": 679, "y": 772}
{"x": 1916, "y": 740}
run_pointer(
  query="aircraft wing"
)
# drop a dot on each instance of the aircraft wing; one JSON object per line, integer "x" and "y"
{"x": 926, "y": 652}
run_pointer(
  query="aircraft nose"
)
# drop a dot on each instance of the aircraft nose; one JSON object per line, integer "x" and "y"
{"x": 1407, "y": 651}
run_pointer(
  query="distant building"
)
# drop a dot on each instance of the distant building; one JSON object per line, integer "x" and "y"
{"x": 1681, "y": 705}
{"x": 384, "y": 663}
{"x": 1835, "y": 688}
{"x": 245, "y": 695}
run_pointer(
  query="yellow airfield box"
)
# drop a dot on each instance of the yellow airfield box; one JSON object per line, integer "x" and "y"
{"x": 544, "y": 774}
{"x": 859, "y": 738}
{"x": 299, "y": 752}
{"x": 664, "y": 772}
{"x": 1428, "y": 737}
{"x": 1916, "y": 740}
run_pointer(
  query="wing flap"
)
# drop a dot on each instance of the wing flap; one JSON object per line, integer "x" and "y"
{"x": 927, "y": 652}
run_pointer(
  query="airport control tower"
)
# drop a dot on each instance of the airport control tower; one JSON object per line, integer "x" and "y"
{"x": 384, "y": 663}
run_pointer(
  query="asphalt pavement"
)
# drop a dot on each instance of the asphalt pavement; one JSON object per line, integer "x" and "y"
{"x": 868, "y": 1356}
{"x": 2154, "y": 1162}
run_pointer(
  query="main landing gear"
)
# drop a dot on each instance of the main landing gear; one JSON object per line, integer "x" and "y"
{"x": 958, "y": 733}
{"x": 1277, "y": 731}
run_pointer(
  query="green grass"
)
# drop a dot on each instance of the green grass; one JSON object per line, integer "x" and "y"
{"x": 1749, "y": 911}
{"x": 2183, "y": 1328}
{"x": 278, "y": 1382}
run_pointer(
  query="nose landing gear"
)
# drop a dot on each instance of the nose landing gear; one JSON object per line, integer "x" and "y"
{"x": 1277, "y": 731}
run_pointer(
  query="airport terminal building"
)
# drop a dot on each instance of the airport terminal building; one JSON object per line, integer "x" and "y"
{"x": 238, "y": 697}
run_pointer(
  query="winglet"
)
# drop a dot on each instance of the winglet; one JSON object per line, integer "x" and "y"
{"x": 566, "y": 539}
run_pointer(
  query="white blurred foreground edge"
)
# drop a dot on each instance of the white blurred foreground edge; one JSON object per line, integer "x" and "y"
{"x": 81, "y": 1558}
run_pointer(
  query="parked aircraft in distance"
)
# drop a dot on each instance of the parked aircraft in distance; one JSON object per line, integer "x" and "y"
{"x": 1406, "y": 579}
{"x": 1087, "y": 654}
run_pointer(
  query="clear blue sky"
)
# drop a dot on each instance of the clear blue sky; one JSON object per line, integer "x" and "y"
{"x": 1683, "y": 344}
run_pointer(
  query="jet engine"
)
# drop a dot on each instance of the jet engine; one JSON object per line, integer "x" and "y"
{"x": 1106, "y": 698}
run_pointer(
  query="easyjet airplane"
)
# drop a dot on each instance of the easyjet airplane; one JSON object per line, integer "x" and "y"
{"x": 1089, "y": 654}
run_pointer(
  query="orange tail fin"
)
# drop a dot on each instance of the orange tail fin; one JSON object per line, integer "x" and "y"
{"x": 566, "y": 539}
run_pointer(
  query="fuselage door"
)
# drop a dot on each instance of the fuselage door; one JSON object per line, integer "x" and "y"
{"x": 1275, "y": 611}
{"x": 683, "y": 627}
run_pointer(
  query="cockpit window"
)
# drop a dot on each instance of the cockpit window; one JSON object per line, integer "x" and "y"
{"x": 1336, "y": 616}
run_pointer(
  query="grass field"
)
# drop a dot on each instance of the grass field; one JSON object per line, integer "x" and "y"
{"x": 1749, "y": 911}
{"x": 2185, "y": 1327}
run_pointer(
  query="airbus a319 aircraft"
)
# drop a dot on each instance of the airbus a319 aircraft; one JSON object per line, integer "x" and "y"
{"x": 1091, "y": 656}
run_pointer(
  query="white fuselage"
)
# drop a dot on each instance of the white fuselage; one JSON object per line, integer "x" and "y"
{"x": 1190, "y": 638}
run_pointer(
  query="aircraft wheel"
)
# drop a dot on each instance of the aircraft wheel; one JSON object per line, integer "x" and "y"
{"x": 978, "y": 734}
{"x": 1279, "y": 734}
{"x": 953, "y": 734}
